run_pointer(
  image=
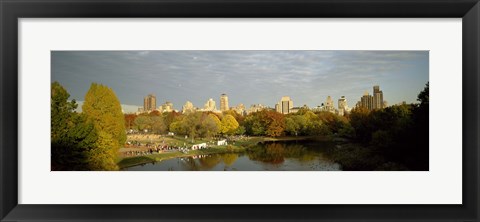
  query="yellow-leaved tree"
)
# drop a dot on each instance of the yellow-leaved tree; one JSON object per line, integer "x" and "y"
{"x": 229, "y": 124}
{"x": 103, "y": 109}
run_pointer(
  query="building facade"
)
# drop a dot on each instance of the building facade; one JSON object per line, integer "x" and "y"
{"x": 366, "y": 101}
{"x": 188, "y": 107}
{"x": 149, "y": 103}
{"x": 374, "y": 101}
{"x": 329, "y": 106}
{"x": 240, "y": 109}
{"x": 377, "y": 98}
{"x": 256, "y": 108}
{"x": 342, "y": 106}
{"x": 285, "y": 105}
{"x": 224, "y": 102}
{"x": 166, "y": 107}
{"x": 210, "y": 105}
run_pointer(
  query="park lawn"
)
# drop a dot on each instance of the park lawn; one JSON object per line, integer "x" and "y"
{"x": 175, "y": 140}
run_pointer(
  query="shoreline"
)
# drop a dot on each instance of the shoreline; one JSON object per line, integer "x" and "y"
{"x": 238, "y": 146}
{"x": 139, "y": 160}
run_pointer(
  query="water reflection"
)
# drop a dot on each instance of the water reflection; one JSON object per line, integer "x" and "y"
{"x": 290, "y": 155}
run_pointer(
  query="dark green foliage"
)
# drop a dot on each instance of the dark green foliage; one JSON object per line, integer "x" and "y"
{"x": 398, "y": 133}
{"x": 71, "y": 134}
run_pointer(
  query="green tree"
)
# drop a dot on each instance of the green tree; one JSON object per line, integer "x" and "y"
{"x": 72, "y": 136}
{"x": 291, "y": 126}
{"x": 102, "y": 108}
{"x": 61, "y": 112}
{"x": 423, "y": 96}
{"x": 143, "y": 122}
{"x": 211, "y": 125}
{"x": 158, "y": 125}
{"x": 253, "y": 124}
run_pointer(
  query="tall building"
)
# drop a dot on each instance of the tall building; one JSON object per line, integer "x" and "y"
{"x": 166, "y": 107}
{"x": 285, "y": 105}
{"x": 149, "y": 103}
{"x": 377, "y": 98}
{"x": 210, "y": 105}
{"x": 342, "y": 103}
{"x": 223, "y": 102}
{"x": 277, "y": 108}
{"x": 188, "y": 107}
{"x": 366, "y": 101}
{"x": 329, "y": 107}
{"x": 342, "y": 106}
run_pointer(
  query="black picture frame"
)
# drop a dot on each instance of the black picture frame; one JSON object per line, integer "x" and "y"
{"x": 12, "y": 10}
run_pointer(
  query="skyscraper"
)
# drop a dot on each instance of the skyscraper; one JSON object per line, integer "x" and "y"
{"x": 210, "y": 105}
{"x": 224, "y": 102}
{"x": 149, "y": 103}
{"x": 342, "y": 103}
{"x": 367, "y": 101}
{"x": 377, "y": 98}
{"x": 342, "y": 106}
{"x": 285, "y": 105}
{"x": 329, "y": 104}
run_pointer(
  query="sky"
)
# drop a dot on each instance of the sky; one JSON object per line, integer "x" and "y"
{"x": 248, "y": 77}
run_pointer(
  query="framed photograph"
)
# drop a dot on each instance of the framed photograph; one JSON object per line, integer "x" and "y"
{"x": 279, "y": 110}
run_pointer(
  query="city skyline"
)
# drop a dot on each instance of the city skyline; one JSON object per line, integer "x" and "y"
{"x": 247, "y": 77}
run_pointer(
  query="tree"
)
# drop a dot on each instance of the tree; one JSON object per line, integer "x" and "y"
{"x": 130, "y": 120}
{"x": 102, "y": 108}
{"x": 423, "y": 96}
{"x": 61, "y": 112}
{"x": 72, "y": 136}
{"x": 291, "y": 126}
{"x": 275, "y": 123}
{"x": 143, "y": 122}
{"x": 229, "y": 124}
{"x": 102, "y": 156}
{"x": 211, "y": 125}
{"x": 158, "y": 125}
{"x": 253, "y": 124}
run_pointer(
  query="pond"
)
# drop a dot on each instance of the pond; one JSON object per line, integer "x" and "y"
{"x": 266, "y": 156}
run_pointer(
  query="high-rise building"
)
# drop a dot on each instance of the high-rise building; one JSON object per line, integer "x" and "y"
{"x": 224, "y": 102}
{"x": 342, "y": 103}
{"x": 366, "y": 101}
{"x": 149, "y": 103}
{"x": 166, "y": 107}
{"x": 342, "y": 106}
{"x": 374, "y": 101}
{"x": 329, "y": 106}
{"x": 188, "y": 107}
{"x": 377, "y": 98}
{"x": 210, "y": 105}
{"x": 277, "y": 108}
{"x": 285, "y": 105}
